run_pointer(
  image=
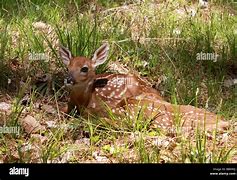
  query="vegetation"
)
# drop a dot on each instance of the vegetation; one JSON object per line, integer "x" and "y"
{"x": 158, "y": 39}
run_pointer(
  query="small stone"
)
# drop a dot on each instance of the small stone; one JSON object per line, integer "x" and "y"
{"x": 100, "y": 159}
{"x": 5, "y": 106}
{"x": 31, "y": 125}
{"x": 51, "y": 124}
{"x": 49, "y": 109}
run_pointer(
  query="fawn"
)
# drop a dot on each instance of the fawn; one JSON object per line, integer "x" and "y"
{"x": 126, "y": 95}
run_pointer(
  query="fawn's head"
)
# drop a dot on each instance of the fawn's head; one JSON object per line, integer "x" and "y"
{"x": 82, "y": 69}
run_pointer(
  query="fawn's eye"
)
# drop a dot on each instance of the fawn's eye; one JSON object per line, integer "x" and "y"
{"x": 84, "y": 69}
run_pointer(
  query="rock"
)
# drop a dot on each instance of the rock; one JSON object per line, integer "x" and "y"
{"x": 100, "y": 159}
{"x": 51, "y": 124}
{"x": 230, "y": 82}
{"x": 31, "y": 125}
{"x": 49, "y": 109}
{"x": 5, "y": 106}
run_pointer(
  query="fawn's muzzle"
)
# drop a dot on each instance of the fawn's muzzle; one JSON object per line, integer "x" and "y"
{"x": 69, "y": 80}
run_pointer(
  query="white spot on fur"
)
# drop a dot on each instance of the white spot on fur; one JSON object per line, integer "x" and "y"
{"x": 123, "y": 92}
{"x": 111, "y": 95}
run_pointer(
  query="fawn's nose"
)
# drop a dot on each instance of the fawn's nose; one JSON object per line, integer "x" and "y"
{"x": 69, "y": 79}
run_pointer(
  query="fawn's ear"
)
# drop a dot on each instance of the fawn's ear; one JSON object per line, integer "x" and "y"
{"x": 101, "y": 55}
{"x": 65, "y": 54}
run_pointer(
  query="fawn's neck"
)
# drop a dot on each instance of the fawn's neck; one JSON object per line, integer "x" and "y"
{"x": 81, "y": 93}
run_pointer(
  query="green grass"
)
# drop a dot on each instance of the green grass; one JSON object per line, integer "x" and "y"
{"x": 154, "y": 42}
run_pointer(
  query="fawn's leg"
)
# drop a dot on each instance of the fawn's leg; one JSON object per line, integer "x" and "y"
{"x": 68, "y": 108}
